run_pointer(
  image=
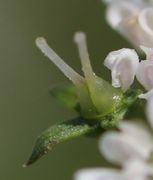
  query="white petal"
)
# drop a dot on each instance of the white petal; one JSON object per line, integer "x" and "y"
{"x": 138, "y": 29}
{"x": 136, "y": 170}
{"x": 146, "y": 27}
{"x": 120, "y": 10}
{"x": 146, "y": 21}
{"x": 145, "y": 74}
{"x": 149, "y": 107}
{"x": 131, "y": 30}
{"x": 148, "y": 52}
{"x": 98, "y": 174}
{"x": 119, "y": 148}
{"x": 123, "y": 64}
{"x": 137, "y": 131}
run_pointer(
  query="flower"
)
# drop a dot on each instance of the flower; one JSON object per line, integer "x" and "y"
{"x": 133, "y": 19}
{"x": 135, "y": 170}
{"x": 96, "y": 96}
{"x": 132, "y": 142}
{"x": 123, "y": 63}
{"x": 131, "y": 147}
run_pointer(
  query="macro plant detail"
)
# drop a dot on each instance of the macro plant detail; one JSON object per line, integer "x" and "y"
{"x": 102, "y": 106}
{"x": 99, "y": 104}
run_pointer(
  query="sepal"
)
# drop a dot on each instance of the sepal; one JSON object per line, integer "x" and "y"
{"x": 59, "y": 133}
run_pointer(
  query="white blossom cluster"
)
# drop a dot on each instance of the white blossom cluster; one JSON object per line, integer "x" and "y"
{"x": 134, "y": 19}
{"x": 130, "y": 147}
{"x": 125, "y": 65}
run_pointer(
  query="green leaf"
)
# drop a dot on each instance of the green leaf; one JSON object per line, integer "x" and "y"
{"x": 67, "y": 95}
{"x": 58, "y": 134}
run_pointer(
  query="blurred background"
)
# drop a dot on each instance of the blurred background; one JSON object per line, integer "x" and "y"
{"x": 26, "y": 76}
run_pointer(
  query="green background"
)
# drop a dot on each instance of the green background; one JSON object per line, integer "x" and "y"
{"x": 26, "y": 76}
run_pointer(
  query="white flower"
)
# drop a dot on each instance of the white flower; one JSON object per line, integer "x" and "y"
{"x": 123, "y": 63}
{"x": 133, "y": 19}
{"x": 133, "y": 170}
{"x": 132, "y": 142}
{"x": 98, "y": 174}
{"x": 131, "y": 148}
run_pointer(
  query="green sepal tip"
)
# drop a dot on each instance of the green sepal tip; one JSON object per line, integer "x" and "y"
{"x": 58, "y": 134}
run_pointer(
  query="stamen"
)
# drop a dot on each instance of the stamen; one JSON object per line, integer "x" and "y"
{"x": 80, "y": 40}
{"x": 59, "y": 62}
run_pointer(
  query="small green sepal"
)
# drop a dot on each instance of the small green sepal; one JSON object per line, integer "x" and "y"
{"x": 66, "y": 94}
{"x": 58, "y": 134}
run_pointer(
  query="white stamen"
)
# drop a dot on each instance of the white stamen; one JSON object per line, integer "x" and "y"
{"x": 80, "y": 40}
{"x": 67, "y": 70}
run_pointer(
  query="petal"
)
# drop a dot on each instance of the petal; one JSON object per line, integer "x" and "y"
{"x": 138, "y": 29}
{"x": 123, "y": 64}
{"x": 137, "y": 131}
{"x": 98, "y": 174}
{"x": 146, "y": 21}
{"x": 136, "y": 170}
{"x": 131, "y": 30}
{"x": 120, "y": 10}
{"x": 145, "y": 74}
{"x": 149, "y": 107}
{"x": 120, "y": 148}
